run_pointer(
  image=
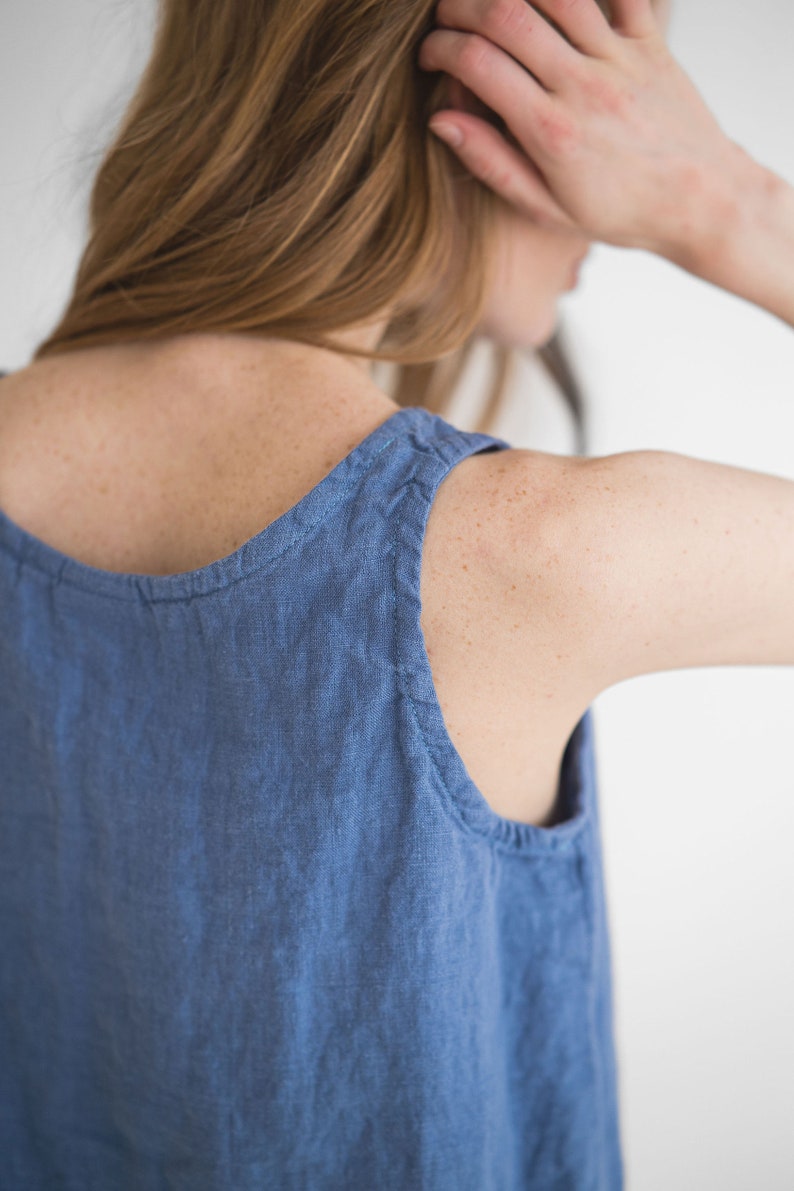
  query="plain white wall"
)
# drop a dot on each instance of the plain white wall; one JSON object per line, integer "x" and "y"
{"x": 696, "y": 769}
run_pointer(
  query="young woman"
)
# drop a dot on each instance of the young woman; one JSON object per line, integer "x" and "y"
{"x": 299, "y": 833}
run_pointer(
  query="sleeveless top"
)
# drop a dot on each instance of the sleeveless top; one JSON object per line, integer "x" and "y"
{"x": 259, "y": 928}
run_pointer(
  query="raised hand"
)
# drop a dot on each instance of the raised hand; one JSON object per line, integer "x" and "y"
{"x": 606, "y": 132}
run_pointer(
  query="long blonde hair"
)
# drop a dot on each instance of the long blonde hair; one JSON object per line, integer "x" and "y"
{"x": 273, "y": 174}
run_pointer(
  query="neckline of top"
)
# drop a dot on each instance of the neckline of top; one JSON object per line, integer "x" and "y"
{"x": 266, "y": 545}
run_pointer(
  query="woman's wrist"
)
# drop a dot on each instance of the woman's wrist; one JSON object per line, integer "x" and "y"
{"x": 741, "y": 237}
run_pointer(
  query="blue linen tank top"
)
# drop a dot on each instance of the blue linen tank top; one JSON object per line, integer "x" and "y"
{"x": 259, "y": 927}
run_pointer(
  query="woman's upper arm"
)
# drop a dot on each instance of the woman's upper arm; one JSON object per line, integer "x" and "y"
{"x": 644, "y": 561}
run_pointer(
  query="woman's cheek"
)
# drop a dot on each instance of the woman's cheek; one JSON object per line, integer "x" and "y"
{"x": 520, "y": 320}
{"x": 532, "y": 270}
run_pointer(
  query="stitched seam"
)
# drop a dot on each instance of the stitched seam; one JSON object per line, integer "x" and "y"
{"x": 523, "y": 845}
{"x": 190, "y": 596}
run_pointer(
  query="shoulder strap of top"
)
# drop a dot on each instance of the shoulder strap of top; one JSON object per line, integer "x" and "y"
{"x": 427, "y": 450}
{"x": 431, "y": 433}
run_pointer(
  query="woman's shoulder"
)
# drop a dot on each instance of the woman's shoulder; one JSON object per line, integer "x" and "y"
{"x": 637, "y": 562}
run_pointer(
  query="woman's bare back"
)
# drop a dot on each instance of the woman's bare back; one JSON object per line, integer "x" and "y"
{"x": 142, "y": 472}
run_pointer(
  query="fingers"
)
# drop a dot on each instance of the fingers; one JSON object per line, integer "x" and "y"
{"x": 636, "y": 18}
{"x": 505, "y": 170}
{"x": 519, "y": 30}
{"x": 510, "y": 22}
{"x": 530, "y": 112}
{"x": 464, "y": 100}
{"x": 583, "y": 22}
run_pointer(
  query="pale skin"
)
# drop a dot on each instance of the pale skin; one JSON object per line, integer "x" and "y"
{"x": 546, "y": 577}
{"x": 607, "y": 136}
{"x": 255, "y": 395}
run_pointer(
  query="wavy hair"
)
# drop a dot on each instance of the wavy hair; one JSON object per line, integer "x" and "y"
{"x": 273, "y": 174}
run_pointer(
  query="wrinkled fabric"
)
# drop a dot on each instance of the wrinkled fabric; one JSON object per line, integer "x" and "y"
{"x": 259, "y": 928}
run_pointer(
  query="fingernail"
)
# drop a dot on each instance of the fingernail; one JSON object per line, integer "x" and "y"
{"x": 450, "y": 133}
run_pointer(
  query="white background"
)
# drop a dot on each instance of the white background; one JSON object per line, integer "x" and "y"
{"x": 696, "y": 770}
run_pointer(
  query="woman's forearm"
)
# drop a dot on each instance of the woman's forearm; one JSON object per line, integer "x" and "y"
{"x": 743, "y": 235}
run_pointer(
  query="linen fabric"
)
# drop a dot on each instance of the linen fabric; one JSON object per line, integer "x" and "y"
{"x": 258, "y": 926}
